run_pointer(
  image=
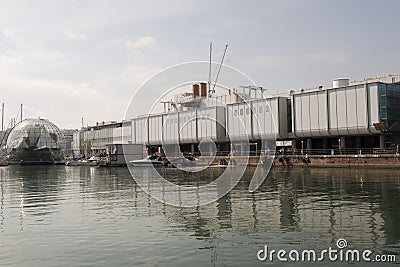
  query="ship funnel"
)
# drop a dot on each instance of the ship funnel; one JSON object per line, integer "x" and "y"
{"x": 195, "y": 90}
{"x": 203, "y": 89}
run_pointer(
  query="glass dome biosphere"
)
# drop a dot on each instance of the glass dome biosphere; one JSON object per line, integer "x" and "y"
{"x": 35, "y": 141}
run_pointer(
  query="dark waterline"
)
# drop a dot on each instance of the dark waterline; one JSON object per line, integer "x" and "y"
{"x": 69, "y": 216}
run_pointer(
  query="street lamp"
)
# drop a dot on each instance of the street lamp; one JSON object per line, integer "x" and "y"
{"x": 340, "y": 147}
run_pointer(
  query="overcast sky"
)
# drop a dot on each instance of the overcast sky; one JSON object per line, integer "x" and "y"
{"x": 70, "y": 59}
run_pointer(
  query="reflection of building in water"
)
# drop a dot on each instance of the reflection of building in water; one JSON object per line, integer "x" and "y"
{"x": 224, "y": 212}
{"x": 2, "y": 177}
{"x": 31, "y": 191}
{"x": 327, "y": 203}
{"x": 330, "y": 203}
{"x": 390, "y": 214}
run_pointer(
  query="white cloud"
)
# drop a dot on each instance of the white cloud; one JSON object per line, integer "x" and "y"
{"x": 74, "y": 36}
{"x": 46, "y": 87}
{"x": 65, "y": 57}
{"x": 141, "y": 42}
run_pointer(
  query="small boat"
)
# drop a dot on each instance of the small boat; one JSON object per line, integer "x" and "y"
{"x": 147, "y": 161}
{"x": 92, "y": 161}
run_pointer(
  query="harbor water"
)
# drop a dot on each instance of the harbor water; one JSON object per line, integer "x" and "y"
{"x": 91, "y": 216}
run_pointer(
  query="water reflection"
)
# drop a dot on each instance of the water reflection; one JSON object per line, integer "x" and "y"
{"x": 327, "y": 203}
{"x": 34, "y": 191}
{"x": 2, "y": 178}
{"x": 294, "y": 207}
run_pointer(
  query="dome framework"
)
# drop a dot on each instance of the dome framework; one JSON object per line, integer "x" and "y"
{"x": 35, "y": 141}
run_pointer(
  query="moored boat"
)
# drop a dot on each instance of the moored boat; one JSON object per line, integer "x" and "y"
{"x": 92, "y": 161}
{"x": 148, "y": 161}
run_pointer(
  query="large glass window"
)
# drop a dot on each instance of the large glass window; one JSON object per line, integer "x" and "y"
{"x": 389, "y": 103}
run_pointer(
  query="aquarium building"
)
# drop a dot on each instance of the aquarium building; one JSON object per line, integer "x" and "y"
{"x": 350, "y": 117}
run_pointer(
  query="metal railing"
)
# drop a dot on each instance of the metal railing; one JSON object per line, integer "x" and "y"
{"x": 341, "y": 151}
{"x": 300, "y": 152}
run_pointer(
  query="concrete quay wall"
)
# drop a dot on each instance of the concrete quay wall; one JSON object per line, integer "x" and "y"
{"x": 344, "y": 161}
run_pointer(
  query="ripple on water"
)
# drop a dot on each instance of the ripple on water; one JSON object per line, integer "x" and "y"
{"x": 56, "y": 216}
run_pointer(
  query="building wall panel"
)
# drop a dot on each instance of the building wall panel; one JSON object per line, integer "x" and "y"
{"x": 341, "y": 111}
{"x": 362, "y": 115}
{"x": 239, "y": 121}
{"x": 170, "y": 129}
{"x": 309, "y": 114}
{"x": 187, "y": 127}
{"x": 305, "y": 106}
{"x": 297, "y": 115}
{"x": 373, "y": 106}
{"x": 266, "y": 118}
{"x": 351, "y": 108}
{"x": 127, "y": 132}
{"x": 333, "y": 121}
{"x": 211, "y": 123}
{"x": 141, "y": 130}
{"x": 155, "y": 129}
{"x": 323, "y": 113}
{"x": 314, "y": 114}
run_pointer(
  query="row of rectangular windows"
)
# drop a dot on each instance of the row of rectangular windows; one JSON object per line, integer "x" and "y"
{"x": 241, "y": 111}
{"x": 184, "y": 119}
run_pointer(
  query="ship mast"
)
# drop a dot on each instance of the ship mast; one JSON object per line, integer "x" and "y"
{"x": 219, "y": 70}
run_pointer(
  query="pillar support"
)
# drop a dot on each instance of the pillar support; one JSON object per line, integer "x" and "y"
{"x": 382, "y": 144}
{"x": 294, "y": 146}
{"x": 309, "y": 145}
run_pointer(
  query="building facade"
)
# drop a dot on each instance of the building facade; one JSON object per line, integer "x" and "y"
{"x": 350, "y": 117}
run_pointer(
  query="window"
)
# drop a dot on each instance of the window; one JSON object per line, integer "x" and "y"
{"x": 260, "y": 109}
{"x": 247, "y": 111}
{"x": 235, "y": 113}
{"x": 241, "y": 112}
{"x": 266, "y": 108}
